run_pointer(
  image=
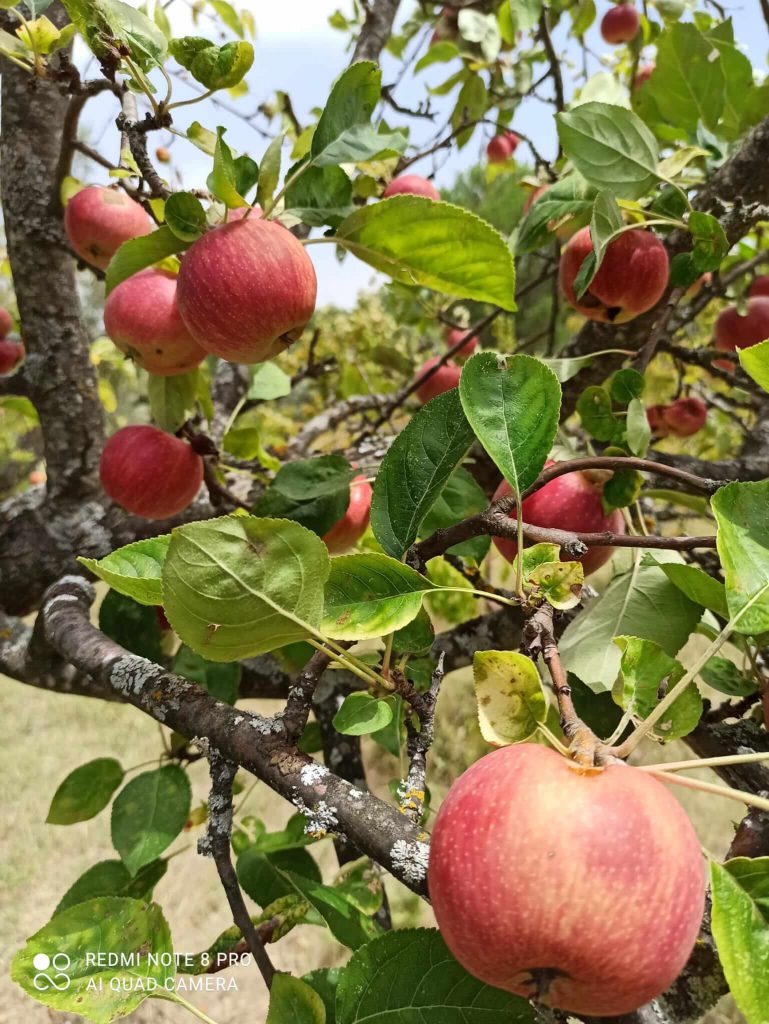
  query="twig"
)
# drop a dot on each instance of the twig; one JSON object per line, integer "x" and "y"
{"x": 412, "y": 789}
{"x": 555, "y": 65}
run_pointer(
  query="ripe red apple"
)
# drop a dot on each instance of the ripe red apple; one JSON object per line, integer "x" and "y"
{"x": 143, "y": 320}
{"x": 760, "y": 286}
{"x": 632, "y": 277}
{"x": 514, "y": 140}
{"x": 733, "y": 330}
{"x": 348, "y": 530}
{"x": 6, "y": 322}
{"x": 453, "y": 337}
{"x": 444, "y": 379}
{"x": 570, "y": 502}
{"x": 11, "y": 354}
{"x": 499, "y": 149}
{"x": 246, "y": 290}
{"x": 150, "y": 473}
{"x": 655, "y": 414}
{"x": 413, "y": 185}
{"x": 585, "y": 889}
{"x": 620, "y": 24}
{"x": 686, "y": 416}
{"x": 533, "y": 196}
{"x": 643, "y": 75}
{"x": 98, "y": 220}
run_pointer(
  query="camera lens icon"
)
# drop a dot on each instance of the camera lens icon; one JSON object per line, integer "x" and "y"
{"x": 51, "y": 972}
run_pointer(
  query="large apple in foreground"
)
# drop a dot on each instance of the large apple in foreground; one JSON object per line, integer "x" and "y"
{"x": 733, "y": 330}
{"x": 246, "y": 290}
{"x": 570, "y": 502}
{"x": 411, "y": 185}
{"x": 149, "y": 472}
{"x": 11, "y": 354}
{"x": 348, "y": 530}
{"x": 620, "y": 24}
{"x": 631, "y": 279}
{"x": 142, "y": 318}
{"x": 444, "y": 379}
{"x": 98, "y": 220}
{"x": 581, "y": 890}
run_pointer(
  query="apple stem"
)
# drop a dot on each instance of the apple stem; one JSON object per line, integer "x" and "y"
{"x": 387, "y": 656}
{"x": 710, "y": 787}
{"x": 705, "y": 762}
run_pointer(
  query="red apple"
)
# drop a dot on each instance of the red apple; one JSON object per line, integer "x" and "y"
{"x": 620, "y": 24}
{"x": 453, "y": 338}
{"x": 570, "y": 502}
{"x": 347, "y": 531}
{"x": 444, "y": 379}
{"x": 686, "y": 416}
{"x": 36, "y": 477}
{"x": 413, "y": 185}
{"x": 246, "y": 290}
{"x": 11, "y": 354}
{"x": 150, "y": 473}
{"x": 733, "y": 330}
{"x": 533, "y": 196}
{"x": 632, "y": 277}
{"x": 240, "y": 212}
{"x": 499, "y": 149}
{"x": 162, "y": 621}
{"x": 142, "y": 318}
{"x": 643, "y": 75}
{"x": 98, "y": 220}
{"x": 760, "y": 286}
{"x": 514, "y": 140}
{"x": 163, "y": 155}
{"x": 655, "y": 414}
{"x": 6, "y": 322}
{"x": 585, "y": 889}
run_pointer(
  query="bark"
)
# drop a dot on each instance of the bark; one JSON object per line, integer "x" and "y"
{"x": 377, "y": 28}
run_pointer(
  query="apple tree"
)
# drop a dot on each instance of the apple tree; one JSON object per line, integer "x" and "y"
{"x": 539, "y": 452}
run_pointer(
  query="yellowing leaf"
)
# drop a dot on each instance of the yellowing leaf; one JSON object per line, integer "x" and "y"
{"x": 511, "y": 701}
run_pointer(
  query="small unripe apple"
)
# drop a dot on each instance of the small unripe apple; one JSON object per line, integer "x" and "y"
{"x": 150, "y": 473}
{"x": 347, "y": 531}
{"x": 246, "y": 290}
{"x": 631, "y": 279}
{"x": 499, "y": 150}
{"x": 570, "y": 502}
{"x": 686, "y": 416}
{"x": 444, "y": 379}
{"x": 581, "y": 889}
{"x": 411, "y": 185}
{"x": 655, "y": 414}
{"x": 143, "y": 320}
{"x": 454, "y": 337}
{"x": 733, "y": 330}
{"x": 620, "y": 24}
{"x": 163, "y": 155}
{"x": 36, "y": 477}
{"x": 98, "y": 220}
{"x": 11, "y": 354}
{"x": 643, "y": 75}
{"x": 6, "y": 322}
{"x": 760, "y": 286}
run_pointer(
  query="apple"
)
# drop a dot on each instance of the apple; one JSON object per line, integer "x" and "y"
{"x": 150, "y": 473}
{"x": 444, "y": 379}
{"x": 98, "y": 220}
{"x": 348, "y": 530}
{"x": 643, "y": 75}
{"x": 163, "y": 155}
{"x": 11, "y": 354}
{"x": 499, "y": 149}
{"x": 570, "y": 502}
{"x": 6, "y": 322}
{"x": 533, "y": 196}
{"x": 733, "y": 330}
{"x": 411, "y": 184}
{"x": 760, "y": 286}
{"x": 36, "y": 477}
{"x": 514, "y": 140}
{"x": 585, "y": 889}
{"x": 453, "y": 338}
{"x": 655, "y": 414}
{"x": 694, "y": 289}
{"x": 686, "y": 416}
{"x": 162, "y": 621}
{"x": 631, "y": 279}
{"x": 143, "y": 320}
{"x": 620, "y": 24}
{"x": 246, "y": 290}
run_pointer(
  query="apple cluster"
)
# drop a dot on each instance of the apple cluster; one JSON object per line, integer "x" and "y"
{"x": 11, "y": 349}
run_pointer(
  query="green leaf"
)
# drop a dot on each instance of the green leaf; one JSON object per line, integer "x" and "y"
{"x": 644, "y": 669}
{"x": 409, "y": 975}
{"x": 85, "y": 791}
{"x": 508, "y": 691}
{"x": 148, "y": 814}
{"x": 239, "y": 586}
{"x": 755, "y": 362}
{"x": 268, "y": 381}
{"x": 371, "y": 595}
{"x": 185, "y": 216}
{"x": 293, "y": 1001}
{"x": 513, "y": 404}
{"x": 626, "y": 385}
{"x": 269, "y": 174}
{"x": 201, "y": 137}
{"x": 351, "y": 102}
{"x": 360, "y": 143}
{"x": 138, "y": 253}
{"x": 215, "y": 67}
{"x": 438, "y": 53}
{"x": 595, "y": 411}
{"x": 172, "y": 399}
{"x": 246, "y": 174}
{"x": 710, "y": 242}
{"x": 740, "y": 890}
{"x": 324, "y": 982}
{"x": 347, "y": 924}
{"x": 695, "y": 583}
{"x": 134, "y": 570}
{"x": 611, "y": 147}
{"x": 222, "y": 180}
{"x": 313, "y": 492}
{"x": 724, "y": 676}
{"x": 605, "y": 224}
{"x": 417, "y": 637}
{"x": 229, "y": 16}
{"x": 743, "y": 546}
{"x": 361, "y": 714}
{"x": 460, "y": 498}
{"x": 638, "y": 430}
{"x": 641, "y": 603}
{"x": 418, "y": 241}
{"x": 571, "y": 197}
{"x": 259, "y": 872}
{"x": 415, "y": 470}
{"x": 130, "y": 624}
{"x": 560, "y": 583}
{"x": 319, "y": 195}
{"x": 476, "y": 27}
{"x": 221, "y": 681}
{"x": 103, "y": 23}
{"x": 112, "y": 878}
{"x": 687, "y": 85}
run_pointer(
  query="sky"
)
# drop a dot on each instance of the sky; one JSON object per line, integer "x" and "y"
{"x": 298, "y": 52}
